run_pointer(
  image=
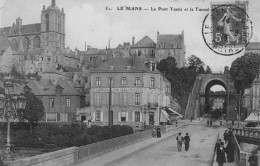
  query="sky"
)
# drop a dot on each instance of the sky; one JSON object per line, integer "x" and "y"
{"x": 89, "y": 21}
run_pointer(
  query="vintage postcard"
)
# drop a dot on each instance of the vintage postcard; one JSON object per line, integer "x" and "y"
{"x": 129, "y": 82}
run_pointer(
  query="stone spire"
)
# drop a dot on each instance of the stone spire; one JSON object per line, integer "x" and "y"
{"x": 53, "y": 3}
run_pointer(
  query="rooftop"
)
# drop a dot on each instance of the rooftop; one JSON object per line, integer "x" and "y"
{"x": 126, "y": 65}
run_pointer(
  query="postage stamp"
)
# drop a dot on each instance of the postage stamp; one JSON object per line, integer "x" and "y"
{"x": 227, "y": 29}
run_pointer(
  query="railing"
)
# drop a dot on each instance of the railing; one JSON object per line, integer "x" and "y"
{"x": 96, "y": 149}
{"x": 249, "y": 133}
{"x": 241, "y": 157}
{"x": 152, "y": 104}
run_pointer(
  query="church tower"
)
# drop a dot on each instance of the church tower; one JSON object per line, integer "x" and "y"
{"x": 53, "y": 26}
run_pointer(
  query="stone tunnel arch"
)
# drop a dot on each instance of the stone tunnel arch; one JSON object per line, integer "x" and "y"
{"x": 210, "y": 84}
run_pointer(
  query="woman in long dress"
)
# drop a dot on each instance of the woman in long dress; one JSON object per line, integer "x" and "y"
{"x": 226, "y": 23}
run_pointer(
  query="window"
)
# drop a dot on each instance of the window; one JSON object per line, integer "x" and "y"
{"x": 122, "y": 99}
{"x": 97, "y": 98}
{"x": 51, "y": 117}
{"x": 137, "y": 81}
{"x": 161, "y": 52}
{"x": 98, "y": 115}
{"x": 123, "y": 81}
{"x": 63, "y": 117}
{"x": 98, "y": 81}
{"x": 173, "y": 52}
{"x": 51, "y": 102}
{"x": 152, "y": 82}
{"x": 111, "y": 81}
{"x": 68, "y": 102}
{"x": 123, "y": 116}
{"x": 139, "y": 52}
{"x": 48, "y": 59}
{"x": 167, "y": 89}
{"x": 152, "y": 66}
{"x": 137, "y": 116}
{"x": 137, "y": 98}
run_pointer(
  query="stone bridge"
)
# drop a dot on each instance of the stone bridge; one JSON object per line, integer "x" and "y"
{"x": 200, "y": 92}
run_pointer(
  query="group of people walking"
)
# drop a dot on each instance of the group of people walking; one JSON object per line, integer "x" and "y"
{"x": 225, "y": 152}
{"x": 185, "y": 140}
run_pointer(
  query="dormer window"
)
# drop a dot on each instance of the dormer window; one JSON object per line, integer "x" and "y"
{"x": 128, "y": 67}
{"x": 152, "y": 66}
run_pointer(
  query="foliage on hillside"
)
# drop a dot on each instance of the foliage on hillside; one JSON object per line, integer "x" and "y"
{"x": 182, "y": 79}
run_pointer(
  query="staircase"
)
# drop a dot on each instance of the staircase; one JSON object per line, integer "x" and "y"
{"x": 192, "y": 107}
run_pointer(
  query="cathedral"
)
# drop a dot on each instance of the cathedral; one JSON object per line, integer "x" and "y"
{"x": 49, "y": 33}
{"x": 39, "y": 47}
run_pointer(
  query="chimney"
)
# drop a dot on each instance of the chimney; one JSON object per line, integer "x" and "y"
{"x": 85, "y": 46}
{"x": 109, "y": 43}
{"x": 133, "y": 40}
{"x": 134, "y": 60}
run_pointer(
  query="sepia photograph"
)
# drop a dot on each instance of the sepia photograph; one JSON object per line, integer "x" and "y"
{"x": 129, "y": 83}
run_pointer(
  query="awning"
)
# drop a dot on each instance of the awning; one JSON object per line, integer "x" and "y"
{"x": 174, "y": 111}
{"x": 252, "y": 118}
{"x": 164, "y": 116}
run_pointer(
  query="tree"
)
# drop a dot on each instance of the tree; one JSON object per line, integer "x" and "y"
{"x": 34, "y": 109}
{"x": 195, "y": 62}
{"x": 182, "y": 79}
{"x": 244, "y": 70}
{"x": 208, "y": 70}
{"x": 167, "y": 66}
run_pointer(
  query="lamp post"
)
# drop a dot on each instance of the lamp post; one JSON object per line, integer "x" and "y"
{"x": 144, "y": 111}
{"x": 110, "y": 112}
{"x": 9, "y": 103}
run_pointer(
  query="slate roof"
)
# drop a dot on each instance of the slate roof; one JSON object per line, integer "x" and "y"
{"x": 145, "y": 42}
{"x": 170, "y": 40}
{"x": 25, "y": 29}
{"x": 68, "y": 68}
{"x": 46, "y": 87}
{"x": 96, "y": 51}
{"x": 120, "y": 66}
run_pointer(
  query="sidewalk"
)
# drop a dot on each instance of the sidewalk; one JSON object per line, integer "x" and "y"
{"x": 129, "y": 150}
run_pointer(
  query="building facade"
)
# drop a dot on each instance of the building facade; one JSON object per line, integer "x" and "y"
{"x": 171, "y": 45}
{"x": 138, "y": 93}
{"x": 60, "y": 99}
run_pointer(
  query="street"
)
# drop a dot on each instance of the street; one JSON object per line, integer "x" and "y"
{"x": 165, "y": 152}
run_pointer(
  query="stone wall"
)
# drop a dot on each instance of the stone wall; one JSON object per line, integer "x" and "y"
{"x": 64, "y": 157}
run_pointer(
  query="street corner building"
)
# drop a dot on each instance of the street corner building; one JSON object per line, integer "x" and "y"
{"x": 139, "y": 92}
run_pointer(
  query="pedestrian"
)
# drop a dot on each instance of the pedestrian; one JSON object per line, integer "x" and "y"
{"x": 179, "y": 139}
{"x": 158, "y": 132}
{"x": 176, "y": 123}
{"x": 221, "y": 158}
{"x": 226, "y": 135}
{"x": 187, "y": 142}
{"x": 230, "y": 150}
{"x": 191, "y": 118}
{"x": 253, "y": 159}
{"x": 210, "y": 125}
{"x": 217, "y": 144}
